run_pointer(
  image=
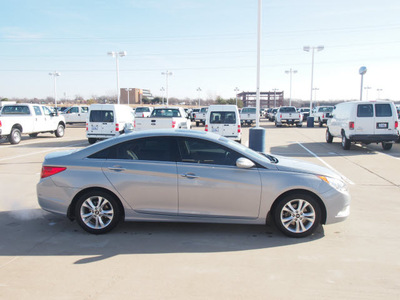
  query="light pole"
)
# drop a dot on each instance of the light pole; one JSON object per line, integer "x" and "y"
{"x": 162, "y": 90}
{"x": 128, "y": 90}
{"x": 367, "y": 88}
{"x": 236, "y": 90}
{"x": 312, "y": 49}
{"x": 315, "y": 93}
{"x": 379, "y": 93}
{"x": 55, "y": 74}
{"x": 290, "y": 72}
{"x": 167, "y": 73}
{"x": 116, "y": 55}
{"x": 362, "y": 72}
{"x": 199, "y": 91}
{"x": 275, "y": 96}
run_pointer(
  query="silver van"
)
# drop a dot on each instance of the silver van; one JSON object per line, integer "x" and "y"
{"x": 364, "y": 122}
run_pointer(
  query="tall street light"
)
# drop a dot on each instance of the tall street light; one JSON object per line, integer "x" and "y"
{"x": 116, "y": 55}
{"x": 162, "y": 90}
{"x": 275, "y": 90}
{"x": 367, "y": 88}
{"x": 55, "y": 74}
{"x": 312, "y": 49}
{"x": 128, "y": 90}
{"x": 379, "y": 93}
{"x": 236, "y": 90}
{"x": 290, "y": 72}
{"x": 199, "y": 91}
{"x": 362, "y": 72}
{"x": 167, "y": 73}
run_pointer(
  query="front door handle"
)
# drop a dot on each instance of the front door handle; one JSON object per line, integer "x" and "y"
{"x": 116, "y": 168}
{"x": 189, "y": 175}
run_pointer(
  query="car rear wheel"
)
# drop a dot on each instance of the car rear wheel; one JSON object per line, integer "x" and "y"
{"x": 328, "y": 136}
{"x": 98, "y": 212}
{"x": 297, "y": 215}
{"x": 345, "y": 142}
{"x": 386, "y": 146}
{"x": 15, "y": 136}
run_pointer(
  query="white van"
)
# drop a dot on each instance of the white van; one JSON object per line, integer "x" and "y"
{"x": 224, "y": 120}
{"x": 76, "y": 114}
{"x": 108, "y": 120}
{"x": 364, "y": 122}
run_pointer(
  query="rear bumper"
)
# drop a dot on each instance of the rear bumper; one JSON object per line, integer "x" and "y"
{"x": 373, "y": 138}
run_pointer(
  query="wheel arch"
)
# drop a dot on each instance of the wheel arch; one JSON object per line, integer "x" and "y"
{"x": 18, "y": 126}
{"x": 299, "y": 191}
{"x": 71, "y": 208}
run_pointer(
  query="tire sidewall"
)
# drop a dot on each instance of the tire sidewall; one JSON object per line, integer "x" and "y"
{"x": 278, "y": 209}
{"x": 60, "y": 130}
{"x": 111, "y": 199}
{"x": 15, "y": 136}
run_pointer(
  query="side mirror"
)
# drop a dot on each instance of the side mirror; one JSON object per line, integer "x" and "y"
{"x": 244, "y": 163}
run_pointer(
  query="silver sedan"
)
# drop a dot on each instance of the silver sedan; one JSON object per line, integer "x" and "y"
{"x": 188, "y": 176}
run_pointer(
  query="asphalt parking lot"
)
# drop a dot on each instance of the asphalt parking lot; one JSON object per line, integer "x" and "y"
{"x": 44, "y": 256}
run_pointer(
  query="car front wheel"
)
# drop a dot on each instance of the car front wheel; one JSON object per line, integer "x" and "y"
{"x": 297, "y": 215}
{"x": 60, "y": 130}
{"x": 97, "y": 212}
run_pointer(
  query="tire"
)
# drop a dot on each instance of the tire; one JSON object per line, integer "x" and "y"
{"x": 92, "y": 141}
{"x": 328, "y": 136}
{"x": 320, "y": 123}
{"x": 97, "y": 212}
{"x": 15, "y": 136}
{"x": 297, "y": 215}
{"x": 60, "y": 131}
{"x": 386, "y": 146}
{"x": 33, "y": 135}
{"x": 345, "y": 142}
{"x": 197, "y": 124}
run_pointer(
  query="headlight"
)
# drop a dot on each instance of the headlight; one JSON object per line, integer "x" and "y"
{"x": 337, "y": 184}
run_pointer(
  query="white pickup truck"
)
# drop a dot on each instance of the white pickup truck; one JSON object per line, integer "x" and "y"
{"x": 288, "y": 115}
{"x": 31, "y": 119}
{"x": 166, "y": 117}
{"x": 248, "y": 115}
{"x": 200, "y": 116}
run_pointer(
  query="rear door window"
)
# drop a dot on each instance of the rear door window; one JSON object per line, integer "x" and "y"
{"x": 383, "y": 110}
{"x": 223, "y": 117}
{"x": 102, "y": 116}
{"x": 365, "y": 110}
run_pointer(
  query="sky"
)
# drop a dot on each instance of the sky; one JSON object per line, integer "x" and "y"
{"x": 211, "y": 45}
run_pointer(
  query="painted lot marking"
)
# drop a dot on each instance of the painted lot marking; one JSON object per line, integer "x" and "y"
{"x": 325, "y": 163}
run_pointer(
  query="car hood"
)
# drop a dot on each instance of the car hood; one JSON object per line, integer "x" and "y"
{"x": 298, "y": 166}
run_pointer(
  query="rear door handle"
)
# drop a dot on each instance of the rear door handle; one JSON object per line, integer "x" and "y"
{"x": 189, "y": 175}
{"x": 116, "y": 168}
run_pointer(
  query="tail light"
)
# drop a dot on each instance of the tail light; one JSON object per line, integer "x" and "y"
{"x": 351, "y": 125}
{"x": 173, "y": 124}
{"x": 239, "y": 129}
{"x": 323, "y": 116}
{"x": 206, "y": 128}
{"x": 87, "y": 126}
{"x": 281, "y": 116}
{"x": 142, "y": 115}
{"x": 1, "y": 124}
{"x": 50, "y": 171}
{"x": 117, "y": 127}
{"x": 134, "y": 123}
{"x": 396, "y": 124}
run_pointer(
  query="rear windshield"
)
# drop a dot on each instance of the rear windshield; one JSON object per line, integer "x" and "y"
{"x": 142, "y": 109}
{"x": 223, "y": 117}
{"x": 104, "y": 116}
{"x": 326, "y": 109}
{"x": 383, "y": 110}
{"x": 15, "y": 110}
{"x": 287, "y": 110}
{"x": 249, "y": 110}
{"x": 166, "y": 113}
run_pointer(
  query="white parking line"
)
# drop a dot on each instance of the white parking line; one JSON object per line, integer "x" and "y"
{"x": 48, "y": 150}
{"x": 326, "y": 164}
